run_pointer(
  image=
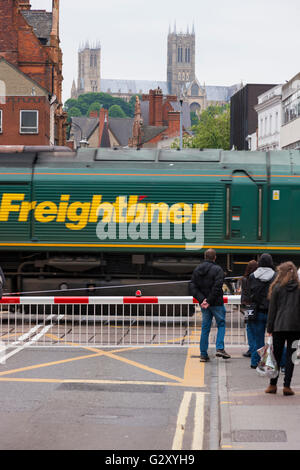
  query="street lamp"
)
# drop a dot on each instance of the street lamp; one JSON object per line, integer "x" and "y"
{"x": 181, "y": 133}
{"x": 83, "y": 143}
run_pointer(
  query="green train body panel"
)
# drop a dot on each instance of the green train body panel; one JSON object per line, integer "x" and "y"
{"x": 242, "y": 201}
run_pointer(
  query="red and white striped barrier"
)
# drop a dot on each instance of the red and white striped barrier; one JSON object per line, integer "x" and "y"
{"x": 228, "y": 300}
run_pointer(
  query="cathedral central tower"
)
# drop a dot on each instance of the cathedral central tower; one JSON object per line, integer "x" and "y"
{"x": 181, "y": 60}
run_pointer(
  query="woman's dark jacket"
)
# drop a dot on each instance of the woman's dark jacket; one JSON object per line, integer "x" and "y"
{"x": 207, "y": 283}
{"x": 284, "y": 310}
{"x": 259, "y": 285}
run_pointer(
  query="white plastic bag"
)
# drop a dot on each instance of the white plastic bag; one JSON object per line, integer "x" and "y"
{"x": 268, "y": 366}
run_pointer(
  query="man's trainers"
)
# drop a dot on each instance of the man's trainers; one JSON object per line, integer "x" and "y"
{"x": 222, "y": 353}
{"x": 204, "y": 359}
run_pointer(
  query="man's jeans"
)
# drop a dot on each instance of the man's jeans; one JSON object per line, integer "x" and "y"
{"x": 219, "y": 313}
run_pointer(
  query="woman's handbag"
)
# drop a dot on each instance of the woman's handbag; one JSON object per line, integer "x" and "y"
{"x": 268, "y": 366}
{"x": 250, "y": 313}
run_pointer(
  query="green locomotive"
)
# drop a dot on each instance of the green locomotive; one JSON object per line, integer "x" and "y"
{"x": 105, "y": 217}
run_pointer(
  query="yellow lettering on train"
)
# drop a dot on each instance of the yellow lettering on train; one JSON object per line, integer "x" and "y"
{"x": 76, "y": 215}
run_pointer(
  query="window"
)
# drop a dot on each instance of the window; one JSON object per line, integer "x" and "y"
{"x": 291, "y": 108}
{"x": 180, "y": 54}
{"x": 1, "y": 121}
{"x": 188, "y": 55}
{"x": 29, "y": 122}
{"x": 195, "y": 90}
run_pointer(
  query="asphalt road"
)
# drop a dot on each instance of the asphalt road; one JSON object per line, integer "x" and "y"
{"x": 120, "y": 399}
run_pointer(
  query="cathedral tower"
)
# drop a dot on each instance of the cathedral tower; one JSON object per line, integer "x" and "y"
{"x": 89, "y": 62}
{"x": 181, "y": 60}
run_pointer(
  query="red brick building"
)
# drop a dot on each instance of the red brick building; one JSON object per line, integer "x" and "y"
{"x": 25, "y": 109}
{"x": 29, "y": 41}
{"x": 164, "y": 122}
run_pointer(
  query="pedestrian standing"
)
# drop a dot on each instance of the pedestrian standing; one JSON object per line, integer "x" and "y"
{"x": 259, "y": 284}
{"x": 284, "y": 321}
{"x": 246, "y": 302}
{"x": 207, "y": 287}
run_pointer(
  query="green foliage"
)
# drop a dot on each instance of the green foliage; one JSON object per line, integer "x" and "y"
{"x": 116, "y": 111}
{"x": 87, "y": 102}
{"x": 74, "y": 112}
{"x": 212, "y": 130}
{"x": 194, "y": 118}
{"x": 187, "y": 141}
{"x": 94, "y": 107}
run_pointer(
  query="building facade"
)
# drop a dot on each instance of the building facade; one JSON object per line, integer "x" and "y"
{"x": 243, "y": 117}
{"x": 25, "y": 110}
{"x": 29, "y": 41}
{"x": 269, "y": 119}
{"x": 290, "y": 129}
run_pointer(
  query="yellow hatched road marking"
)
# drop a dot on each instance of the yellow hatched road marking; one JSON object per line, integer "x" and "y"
{"x": 193, "y": 372}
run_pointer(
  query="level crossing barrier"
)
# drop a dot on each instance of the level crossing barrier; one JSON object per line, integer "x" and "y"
{"x": 111, "y": 322}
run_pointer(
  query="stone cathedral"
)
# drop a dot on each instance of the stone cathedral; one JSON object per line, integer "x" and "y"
{"x": 181, "y": 76}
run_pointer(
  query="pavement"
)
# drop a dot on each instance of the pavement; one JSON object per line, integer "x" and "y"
{"x": 250, "y": 419}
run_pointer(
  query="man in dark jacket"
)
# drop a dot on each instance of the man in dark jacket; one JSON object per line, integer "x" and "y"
{"x": 207, "y": 287}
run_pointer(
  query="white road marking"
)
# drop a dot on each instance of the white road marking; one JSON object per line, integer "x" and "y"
{"x": 26, "y": 336}
{"x": 198, "y": 423}
{"x": 197, "y": 443}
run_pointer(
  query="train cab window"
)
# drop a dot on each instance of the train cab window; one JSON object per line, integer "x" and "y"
{"x": 29, "y": 122}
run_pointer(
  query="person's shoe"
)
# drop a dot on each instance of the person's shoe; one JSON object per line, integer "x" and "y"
{"x": 271, "y": 389}
{"x": 222, "y": 353}
{"x": 247, "y": 354}
{"x": 287, "y": 391}
{"x": 253, "y": 367}
{"x": 204, "y": 359}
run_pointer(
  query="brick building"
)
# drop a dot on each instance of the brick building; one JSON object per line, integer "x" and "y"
{"x": 163, "y": 122}
{"x": 25, "y": 110}
{"x": 29, "y": 41}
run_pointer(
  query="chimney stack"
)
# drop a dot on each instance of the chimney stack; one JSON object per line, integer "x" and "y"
{"x": 55, "y": 22}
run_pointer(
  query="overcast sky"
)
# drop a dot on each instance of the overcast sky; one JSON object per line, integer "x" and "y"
{"x": 254, "y": 41}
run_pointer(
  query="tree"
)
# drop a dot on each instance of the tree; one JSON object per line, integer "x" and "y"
{"x": 85, "y": 101}
{"x": 116, "y": 111}
{"x": 94, "y": 107}
{"x": 74, "y": 112}
{"x": 213, "y": 129}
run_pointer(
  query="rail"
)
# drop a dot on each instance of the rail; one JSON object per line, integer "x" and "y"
{"x": 111, "y": 322}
